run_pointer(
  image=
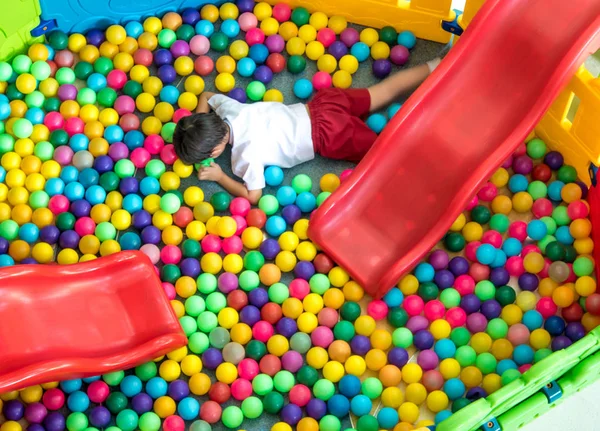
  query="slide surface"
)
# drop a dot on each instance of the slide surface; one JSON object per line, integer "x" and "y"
{"x": 82, "y": 320}
{"x": 452, "y": 133}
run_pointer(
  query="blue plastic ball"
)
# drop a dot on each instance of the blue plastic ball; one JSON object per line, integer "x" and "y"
{"x": 91, "y": 379}
{"x": 188, "y": 408}
{"x": 536, "y": 229}
{"x": 424, "y": 272}
{"x": 563, "y": 235}
{"x": 303, "y": 88}
{"x": 95, "y": 195}
{"x": 6, "y": 260}
{"x": 387, "y": 417}
{"x": 505, "y": 364}
{"x": 376, "y": 122}
{"x": 338, "y": 405}
{"x": 361, "y": 405}
{"x": 4, "y": 110}
{"x": 454, "y": 388}
{"x": 512, "y": 247}
{"x": 286, "y": 195}
{"x": 205, "y": 28}
{"x": 555, "y": 325}
{"x": 273, "y": 176}
{"x": 518, "y": 183}
{"x": 132, "y": 203}
{"x": 532, "y": 319}
{"x": 89, "y": 177}
{"x": 149, "y": 186}
{"x": 275, "y": 226}
{"x": 156, "y": 387}
{"x": 54, "y": 186}
{"x": 69, "y": 386}
{"x": 486, "y": 253}
{"x": 349, "y": 385}
{"x": 130, "y": 241}
{"x": 79, "y": 142}
{"x": 96, "y": 81}
{"x": 74, "y": 191}
{"x": 407, "y": 38}
{"x": 394, "y": 297}
{"x": 2, "y": 174}
{"x": 134, "y": 139}
{"x": 246, "y": 67}
{"x": 442, "y": 416}
{"x": 51, "y": 51}
{"x": 361, "y": 51}
{"x": 523, "y": 354}
{"x": 499, "y": 260}
{"x": 393, "y": 109}
{"x": 113, "y": 134}
{"x": 169, "y": 94}
{"x": 29, "y": 233}
{"x": 445, "y": 348}
{"x": 306, "y": 201}
{"x": 69, "y": 174}
{"x": 131, "y": 386}
{"x": 78, "y": 401}
{"x": 35, "y": 115}
{"x": 230, "y": 27}
{"x": 258, "y": 53}
{"x": 554, "y": 190}
{"x": 134, "y": 29}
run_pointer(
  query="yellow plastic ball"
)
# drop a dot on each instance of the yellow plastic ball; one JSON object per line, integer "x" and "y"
{"x": 533, "y": 262}
{"x": 124, "y": 61}
{"x": 35, "y": 182}
{"x": 338, "y": 24}
{"x": 288, "y": 30}
{"x": 526, "y": 300}
{"x": 148, "y": 41}
{"x": 114, "y": 200}
{"x": 203, "y": 211}
{"x": 31, "y": 394}
{"x": 313, "y": 303}
{"x": 145, "y": 102}
{"x": 199, "y": 384}
{"x": 89, "y": 244}
{"x": 130, "y": 46}
{"x": 191, "y": 365}
{"x": 491, "y": 383}
{"x": 153, "y": 25}
{"x": 210, "y": 13}
{"x": 522, "y": 202}
{"x": 273, "y": 95}
{"x": 163, "y": 111}
{"x": 26, "y": 83}
{"x": 412, "y": 373}
{"x": 314, "y": 50}
{"x": 500, "y": 178}
{"x": 162, "y": 220}
{"x": 172, "y": 235}
{"x": 49, "y": 87}
{"x": 472, "y": 231}
{"x": 278, "y": 345}
{"x": 15, "y": 178}
{"x": 225, "y": 82}
{"x": 169, "y": 370}
{"x": 239, "y": 49}
{"x": 301, "y": 229}
{"x": 229, "y": 11}
{"x": 306, "y": 251}
{"x": 108, "y": 247}
{"x": 501, "y": 349}
{"x": 481, "y": 342}
{"x": 116, "y": 34}
{"x": 211, "y": 263}
{"x": 169, "y": 181}
{"x": 392, "y": 397}
{"x": 233, "y": 263}
{"x": 369, "y": 36}
{"x": 151, "y": 203}
{"x": 342, "y": 79}
{"x": 194, "y": 84}
{"x": 67, "y": 256}
{"x": 188, "y": 101}
{"x": 295, "y": 46}
{"x": 318, "y": 20}
{"x": 307, "y": 33}
{"x": 317, "y": 357}
{"x": 269, "y": 26}
{"x": 139, "y": 73}
{"x": 327, "y": 63}
{"x": 292, "y": 308}
{"x": 89, "y": 53}
{"x": 226, "y": 373}
{"x": 333, "y": 371}
{"x": 584, "y": 245}
{"x": 193, "y": 195}
{"x": 228, "y": 317}
{"x": 11, "y": 426}
{"x": 164, "y": 406}
{"x": 184, "y": 66}
{"x": 286, "y": 261}
{"x": 416, "y": 393}
{"x": 511, "y": 314}
{"x": 108, "y": 50}
{"x": 353, "y": 291}
{"x": 39, "y": 52}
{"x": 241, "y": 333}
{"x": 252, "y": 237}
{"x": 333, "y": 298}
{"x": 307, "y": 322}
{"x": 408, "y": 412}
{"x": 177, "y": 355}
{"x": 42, "y": 217}
{"x": 380, "y": 51}
{"x": 364, "y": 325}
{"x": 375, "y": 359}
{"x": 263, "y": 11}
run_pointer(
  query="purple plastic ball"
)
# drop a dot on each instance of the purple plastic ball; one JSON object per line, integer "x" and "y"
{"x": 212, "y": 358}
{"x": 190, "y": 16}
{"x": 35, "y": 413}
{"x": 180, "y": 48}
{"x": 417, "y": 323}
{"x": 554, "y": 160}
{"x": 304, "y": 270}
{"x": 162, "y": 57}
{"x": 316, "y": 408}
{"x": 561, "y": 342}
{"x": 263, "y": 74}
{"x": 29, "y": 261}
{"x": 49, "y": 234}
{"x": 584, "y": 189}
{"x": 245, "y": 5}
{"x": 522, "y": 165}
{"x": 575, "y": 331}
{"x": 286, "y": 327}
{"x": 338, "y": 49}
{"x": 382, "y": 68}
{"x": 258, "y": 297}
{"x": 118, "y": 151}
{"x": 491, "y": 309}
{"x": 291, "y": 214}
{"x": 360, "y": 345}
{"x": 499, "y": 276}
{"x": 129, "y": 185}
{"x": 398, "y": 356}
{"x": 103, "y": 164}
{"x": 95, "y": 37}
{"x": 69, "y": 239}
{"x": 292, "y": 361}
{"x": 190, "y": 267}
{"x": 470, "y": 303}
{"x": 476, "y": 393}
{"x": 423, "y": 339}
{"x": 81, "y": 208}
{"x": 178, "y": 390}
{"x": 250, "y": 315}
{"x": 458, "y": 266}
{"x": 350, "y": 36}
{"x": 13, "y": 410}
{"x": 4, "y": 244}
{"x": 142, "y": 403}
{"x": 444, "y": 279}
{"x": 428, "y": 360}
{"x": 239, "y": 95}
{"x": 476, "y": 322}
{"x": 275, "y": 43}
{"x": 151, "y": 235}
{"x": 99, "y": 417}
{"x": 35, "y": 427}
{"x": 55, "y": 421}
{"x": 439, "y": 259}
{"x": 67, "y": 92}
{"x": 528, "y": 281}
{"x": 291, "y": 414}
{"x": 399, "y": 55}
{"x": 270, "y": 248}
{"x": 228, "y": 281}
{"x": 140, "y": 219}
{"x": 167, "y": 74}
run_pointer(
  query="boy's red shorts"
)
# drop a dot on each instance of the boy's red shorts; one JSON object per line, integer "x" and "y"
{"x": 338, "y": 127}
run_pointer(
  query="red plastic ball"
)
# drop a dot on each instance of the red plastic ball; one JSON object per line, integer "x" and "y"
{"x": 276, "y": 62}
{"x": 168, "y": 154}
{"x": 170, "y": 254}
{"x": 434, "y": 310}
{"x": 300, "y": 395}
{"x": 232, "y": 245}
{"x": 116, "y": 79}
{"x": 456, "y": 317}
{"x": 488, "y": 192}
{"x": 98, "y": 391}
{"x": 255, "y": 36}
{"x": 53, "y": 399}
{"x": 577, "y": 210}
{"x": 74, "y": 125}
{"x": 241, "y": 224}
{"x": 471, "y": 249}
{"x": 323, "y": 263}
{"x": 592, "y": 304}
{"x": 237, "y": 299}
{"x": 219, "y": 392}
{"x": 473, "y": 203}
{"x": 282, "y": 12}
{"x": 204, "y": 65}
{"x": 413, "y": 305}
{"x": 210, "y": 412}
{"x": 179, "y": 114}
{"x": 542, "y": 207}
{"x": 129, "y": 122}
{"x": 58, "y": 204}
{"x": 143, "y": 56}
{"x": 299, "y": 288}
{"x": 530, "y": 248}
{"x": 377, "y": 309}
{"x": 479, "y": 272}
{"x": 514, "y": 266}
{"x": 541, "y": 172}
{"x": 140, "y": 157}
{"x": 183, "y": 217}
{"x": 262, "y": 331}
{"x": 173, "y": 423}
{"x": 240, "y": 206}
{"x": 124, "y": 104}
{"x": 321, "y": 80}
{"x": 154, "y": 143}
{"x": 211, "y": 244}
{"x": 271, "y": 312}
{"x": 270, "y": 365}
{"x": 248, "y": 368}
{"x": 64, "y": 58}
{"x": 518, "y": 230}
{"x": 492, "y": 237}
{"x": 256, "y": 218}
{"x": 241, "y": 389}
{"x": 433, "y": 380}
{"x": 464, "y": 284}
{"x": 54, "y": 121}
{"x": 345, "y": 174}
{"x": 572, "y": 313}
{"x": 546, "y": 307}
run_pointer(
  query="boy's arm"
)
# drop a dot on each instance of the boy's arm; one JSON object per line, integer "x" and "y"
{"x": 203, "y": 106}
{"x": 215, "y": 173}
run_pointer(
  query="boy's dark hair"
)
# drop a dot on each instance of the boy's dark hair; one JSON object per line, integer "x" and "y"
{"x": 197, "y": 135}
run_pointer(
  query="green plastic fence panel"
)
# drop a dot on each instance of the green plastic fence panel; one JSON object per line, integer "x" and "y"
{"x": 16, "y": 22}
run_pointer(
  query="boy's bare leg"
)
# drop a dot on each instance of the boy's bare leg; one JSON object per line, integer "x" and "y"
{"x": 388, "y": 90}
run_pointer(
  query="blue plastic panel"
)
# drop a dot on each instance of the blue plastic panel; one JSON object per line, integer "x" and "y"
{"x": 79, "y": 16}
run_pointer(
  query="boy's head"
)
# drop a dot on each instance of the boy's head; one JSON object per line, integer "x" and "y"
{"x": 199, "y": 137}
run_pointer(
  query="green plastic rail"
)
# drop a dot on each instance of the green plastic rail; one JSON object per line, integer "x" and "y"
{"x": 523, "y": 400}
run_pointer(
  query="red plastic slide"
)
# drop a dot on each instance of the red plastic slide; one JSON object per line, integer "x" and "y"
{"x": 64, "y": 322}
{"x": 452, "y": 133}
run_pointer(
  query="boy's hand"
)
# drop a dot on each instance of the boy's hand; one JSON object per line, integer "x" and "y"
{"x": 211, "y": 173}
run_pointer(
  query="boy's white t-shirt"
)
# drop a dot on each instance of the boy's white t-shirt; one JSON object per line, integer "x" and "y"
{"x": 264, "y": 134}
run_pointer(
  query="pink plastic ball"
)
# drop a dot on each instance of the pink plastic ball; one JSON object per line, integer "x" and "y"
{"x": 530, "y": 248}
{"x": 173, "y": 423}
{"x": 116, "y": 79}
{"x": 434, "y": 310}
{"x": 321, "y": 80}
{"x": 64, "y": 58}
{"x": 326, "y": 36}
{"x": 240, "y": 206}
{"x": 518, "y": 230}
{"x": 508, "y": 162}
{"x": 350, "y": 36}
{"x": 74, "y": 125}
{"x": 54, "y": 121}
{"x": 211, "y": 243}
{"x": 227, "y": 282}
{"x": 275, "y": 43}
{"x": 479, "y": 272}
{"x": 521, "y": 150}
{"x": 53, "y": 399}
{"x": 143, "y": 57}
{"x": 118, "y": 151}
{"x": 322, "y": 336}
{"x": 140, "y": 157}
{"x": 575, "y": 210}
{"x": 180, "y": 113}
{"x": 204, "y": 65}
{"x": 129, "y": 122}
{"x": 232, "y": 245}
{"x": 464, "y": 284}
{"x": 328, "y": 317}
{"x": 399, "y": 55}
{"x": 124, "y": 105}
{"x": 546, "y": 307}
{"x": 63, "y": 155}
{"x": 152, "y": 251}
{"x": 241, "y": 224}
{"x": 345, "y": 174}
{"x": 518, "y": 334}
{"x": 524, "y": 368}
{"x": 413, "y": 305}
{"x": 98, "y": 391}
{"x": 377, "y": 309}
{"x": 168, "y": 154}
{"x": 254, "y": 36}
{"x": 262, "y": 331}
{"x": 572, "y": 277}
{"x": 542, "y": 207}
{"x": 169, "y": 290}
{"x": 247, "y": 21}
{"x": 154, "y": 143}
{"x": 470, "y": 250}
{"x": 456, "y": 317}
{"x": 300, "y": 395}
{"x": 473, "y": 203}
{"x": 282, "y": 12}
{"x": 544, "y": 272}
{"x": 514, "y": 266}
{"x": 248, "y": 368}
{"x": 488, "y": 192}
{"x": 85, "y": 226}
{"x": 492, "y": 237}
{"x": 199, "y": 45}
{"x": 299, "y": 288}
{"x": 241, "y": 389}
{"x": 170, "y": 254}
{"x": 292, "y": 361}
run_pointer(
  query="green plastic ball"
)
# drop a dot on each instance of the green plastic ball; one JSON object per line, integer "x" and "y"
{"x": 465, "y": 355}
{"x": 39, "y": 199}
{"x": 51, "y": 104}
{"x": 114, "y": 379}
{"x": 22, "y": 128}
{"x": 344, "y": 330}
{"x": 321, "y": 197}
{"x": 7, "y": 143}
{"x": 505, "y": 295}
{"x": 124, "y": 168}
{"x": 206, "y": 283}
{"x": 485, "y": 290}
{"x": 42, "y": 150}
{"x": 252, "y": 407}
{"x": 191, "y": 248}
{"x": 284, "y": 381}
{"x": 35, "y": 99}
{"x": 166, "y": 38}
{"x": 65, "y": 221}
{"x": 583, "y": 266}
{"x": 570, "y": 254}
{"x": 300, "y": 16}
{"x": 460, "y": 404}
{"x": 428, "y": 291}
{"x": 555, "y": 251}
{"x": 77, "y": 421}
{"x": 402, "y": 337}
{"x": 170, "y": 273}
{"x": 388, "y": 35}
{"x": 149, "y": 421}
{"x": 86, "y": 96}
{"x": 170, "y": 203}
{"x": 6, "y": 71}
{"x": 232, "y": 417}
{"x": 301, "y": 183}
{"x": 486, "y": 362}
{"x": 537, "y": 189}
{"x": 273, "y": 402}
{"x": 116, "y": 402}
{"x": 268, "y": 204}
{"x": 510, "y": 376}
{"x": 296, "y": 64}
{"x": 155, "y": 168}
{"x": 397, "y": 317}
{"x": 83, "y": 70}
{"x": 454, "y": 242}
{"x": 185, "y": 32}
{"x": 59, "y": 137}
{"x": 541, "y": 354}
{"x": 215, "y": 302}
{"x": 21, "y": 64}
{"x": 545, "y": 241}
{"x": 256, "y": 90}
{"x": 167, "y": 132}
{"x": 207, "y": 321}
{"x": 64, "y": 75}
{"x": 198, "y": 342}
{"x": 499, "y": 223}
{"x": 248, "y": 280}
{"x": 105, "y": 231}
{"x": 550, "y": 225}
{"x": 146, "y": 371}
{"x": 127, "y": 420}
{"x": 367, "y": 423}
{"x": 195, "y": 305}
{"x": 497, "y": 328}
{"x": 278, "y": 293}
{"x": 319, "y": 283}
{"x": 133, "y": 89}
{"x": 40, "y": 70}
{"x": 323, "y": 389}
{"x": 300, "y": 342}
{"x": 262, "y": 384}
{"x": 219, "y": 41}
{"x": 567, "y": 174}
{"x": 560, "y": 216}
{"x": 372, "y": 387}
{"x": 536, "y": 148}
{"x": 220, "y": 201}
{"x": 481, "y": 214}
{"x": 58, "y": 40}
{"x": 109, "y": 181}
{"x": 350, "y": 311}
{"x": 460, "y": 336}
{"x": 103, "y": 66}
{"x": 307, "y": 376}
{"x": 107, "y": 97}
{"x": 450, "y": 298}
